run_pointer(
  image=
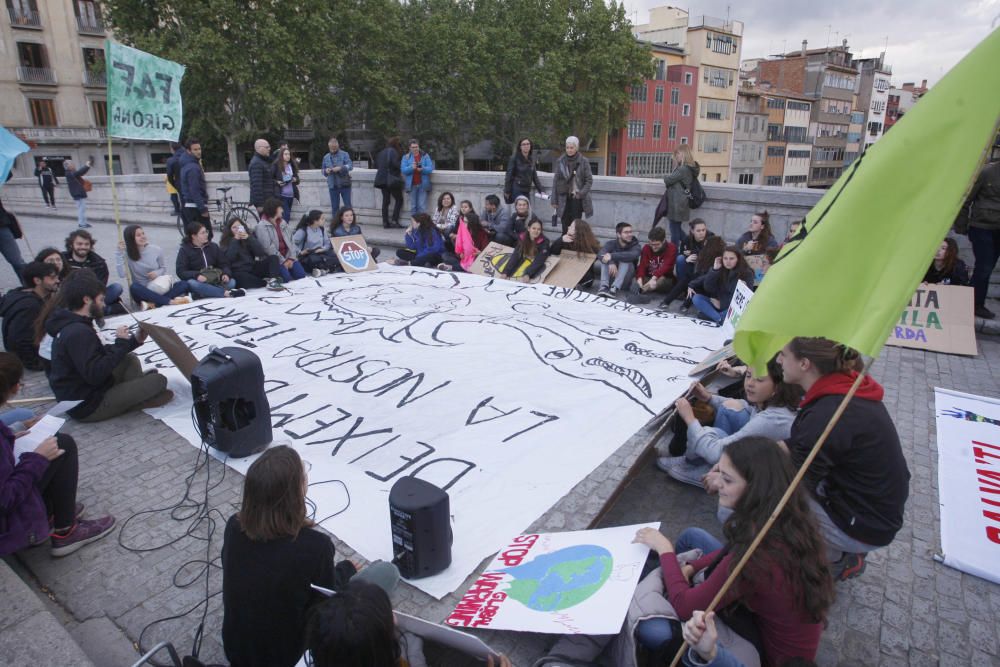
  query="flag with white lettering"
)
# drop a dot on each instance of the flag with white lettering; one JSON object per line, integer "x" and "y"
{"x": 144, "y": 94}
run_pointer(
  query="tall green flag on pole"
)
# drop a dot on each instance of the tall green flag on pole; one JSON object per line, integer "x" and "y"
{"x": 869, "y": 240}
{"x": 144, "y": 94}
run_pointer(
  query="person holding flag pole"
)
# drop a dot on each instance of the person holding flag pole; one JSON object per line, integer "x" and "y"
{"x": 881, "y": 195}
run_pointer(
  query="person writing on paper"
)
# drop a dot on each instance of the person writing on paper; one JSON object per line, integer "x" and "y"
{"x": 38, "y": 488}
{"x": 356, "y": 628}
{"x": 859, "y": 481}
{"x": 108, "y": 380}
{"x": 271, "y": 555}
{"x": 785, "y": 590}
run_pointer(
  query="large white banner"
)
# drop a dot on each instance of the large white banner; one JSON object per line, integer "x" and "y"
{"x": 504, "y": 394}
{"x": 563, "y": 583}
{"x": 968, "y": 442}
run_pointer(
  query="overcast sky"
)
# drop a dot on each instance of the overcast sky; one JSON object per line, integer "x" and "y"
{"x": 925, "y": 37}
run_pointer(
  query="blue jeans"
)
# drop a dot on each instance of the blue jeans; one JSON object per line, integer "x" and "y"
{"x": 296, "y": 272}
{"x": 286, "y": 207}
{"x": 11, "y": 251}
{"x": 696, "y": 538}
{"x": 143, "y": 293}
{"x": 418, "y": 200}
{"x": 704, "y": 306}
{"x": 111, "y": 295}
{"x": 676, "y": 232}
{"x": 684, "y": 270}
{"x": 205, "y": 291}
{"x": 16, "y": 416}
{"x": 337, "y": 195}
{"x": 81, "y": 212}
{"x": 986, "y": 249}
{"x": 731, "y": 421}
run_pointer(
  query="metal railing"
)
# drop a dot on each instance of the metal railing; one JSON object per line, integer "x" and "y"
{"x": 36, "y": 75}
{"x": 95, "y": 78}
{"x": 59, "y": 134}
{"x": 90, "y": 25}
{"x": 20, "y": 18}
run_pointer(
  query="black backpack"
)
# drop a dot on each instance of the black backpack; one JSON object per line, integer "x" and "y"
{"x": 695, "y": 194}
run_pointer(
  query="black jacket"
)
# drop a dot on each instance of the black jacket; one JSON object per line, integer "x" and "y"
{"x": 277, "y": 177}
{"x": 688, "y": 244}
{"x": 261, "y": 183}
{"x": 240, "y": 255}
{"x": 94, "y": 262}
{"x": 713, "y": 285}
{"x": 860, "y": 475}
{"x": 388, "y": 174}
{"x": 191, "y": 260}
{"x": 537, "y": 263}
{"x": 193, "y": 188}
{"x": 81, "y": 366}
{"x": 521, "y": 172}
{"x": 174, "y": 168}
{"x": 19, "y": 309}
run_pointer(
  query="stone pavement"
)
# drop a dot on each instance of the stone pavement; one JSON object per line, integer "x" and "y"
{"x": 906, "y": 609}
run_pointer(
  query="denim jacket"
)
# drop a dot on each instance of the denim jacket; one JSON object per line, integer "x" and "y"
{"x": 342, "y": 178}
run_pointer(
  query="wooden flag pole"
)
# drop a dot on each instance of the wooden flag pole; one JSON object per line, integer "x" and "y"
{"x": 118, "y": 222}
{"x": 781, "y": 504}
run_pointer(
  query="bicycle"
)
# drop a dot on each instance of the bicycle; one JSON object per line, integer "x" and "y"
{"x": 227, "y": 208}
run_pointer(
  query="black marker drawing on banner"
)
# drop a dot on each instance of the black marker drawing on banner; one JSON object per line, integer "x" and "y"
{"x": 228, "y": 322}
{"x": 334, "y": 494}
{"x": 500, "y": 414}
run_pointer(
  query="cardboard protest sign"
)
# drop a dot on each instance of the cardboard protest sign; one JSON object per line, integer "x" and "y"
{"x": 353, "y": 253}
{"x": 562, "y": 583}
{"x": 172, "y": 345}
{"x": 759, "y": 265}
{"x": 492, "y": 260}
{"x": 741, "y": 298}
{"x": 712, "y": 360}
{"x": 938, "y": 318}
{"x": 571, "y": 269}
{"x": 144, "y": 94}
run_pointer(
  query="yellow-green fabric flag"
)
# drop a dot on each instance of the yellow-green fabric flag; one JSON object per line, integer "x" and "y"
{"x": 869, "y": 240}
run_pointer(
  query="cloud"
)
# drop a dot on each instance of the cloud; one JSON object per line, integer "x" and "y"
{"x": 919, "y": 46}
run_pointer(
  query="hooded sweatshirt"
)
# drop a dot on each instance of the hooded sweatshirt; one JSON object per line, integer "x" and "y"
{"x": 859, "y": 476}
{"x": 19, "y": 309}
{"x": 81, "y": 366}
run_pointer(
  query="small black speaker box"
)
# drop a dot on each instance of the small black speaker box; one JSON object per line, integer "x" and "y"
{"x": 420, "y": 516}
{"x": 229, "y": 401}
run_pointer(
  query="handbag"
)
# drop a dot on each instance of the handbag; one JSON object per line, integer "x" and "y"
{"x": 212, "y": 276}
{"x": 87, "y": 185}
{"x": 161, "y": 284}
{"x": 961, "y": 224}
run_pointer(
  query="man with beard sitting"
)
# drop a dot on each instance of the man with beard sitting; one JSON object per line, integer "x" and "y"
{"x": 107, "y": 380}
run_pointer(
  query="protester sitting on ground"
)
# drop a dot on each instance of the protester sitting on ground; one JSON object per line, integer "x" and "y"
{"x": 469, "y": 242}
{"x": 656, "y": 263}
{"x": 345, "y": 224}
{"x": 38, "y": 488}
{"x": 580, "y": 239}
{"x": 947, "y": 268}
{"x": 274, "y": 236}
{"x": 107, "y": 379}
{"x": 510, "y": 230}
{"x": 759, "y": 237}
{"x": 785, "y": 589}
{"x": 80, "y": 254}
{"x": 312, "y": 244}
{"x": 21, "y": 307}
{"x": 248, "y": 260}
{"x": 446, "y": 216}
{"x": 768, "y": 412}
{"x": 711, "y": 293}
{"x": 464, "y": 208}
{"x": 152, "y": 285}
{"x": 859, "y": 481}
{"x": 424, "y": 243}
{"x": 617, "y": 260}
{"x": 495, "y": 216}
{"x": 693, "y": 259}
{"x": 202, "y": 264}
{"x": 793, "y": 229}
{"x": 53, "y": 256}
{"x": 703, "y": 639}
{"x": 58, "y": 300}
{"x": 528, "y": 259}
{"x": 356, "y": 628}
{"x": 271, "y": 554}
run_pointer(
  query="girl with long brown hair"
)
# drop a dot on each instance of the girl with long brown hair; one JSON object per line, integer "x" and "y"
{"x": 946, "y": 268}
{"x": 759, "y": 237}
{"x": 712, "y": 292}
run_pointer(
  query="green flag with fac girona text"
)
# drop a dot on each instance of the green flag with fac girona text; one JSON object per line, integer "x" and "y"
{"x": 144, "y": 94}
{"x": 868, "y": 242}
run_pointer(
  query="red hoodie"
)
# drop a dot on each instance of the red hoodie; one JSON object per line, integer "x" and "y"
{"x": 657, "y": 265}
{"x": 838, "y": 384}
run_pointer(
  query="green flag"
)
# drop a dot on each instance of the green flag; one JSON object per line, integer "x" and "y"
{"x": 144, "y": 94}
{"x": 869, "y": 240}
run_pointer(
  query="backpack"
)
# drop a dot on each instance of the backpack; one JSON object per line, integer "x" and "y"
{"x": 695, "y": 194}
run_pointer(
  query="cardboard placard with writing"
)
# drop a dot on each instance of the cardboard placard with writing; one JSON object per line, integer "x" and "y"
{"x": 172, "y": 345}
{"x": 494, "y": 257}
{"x": 571, "y": 269}
{"x": 738, "y": 304}
{"x": 353, "y": 254}
{"x": 712, "y": 360}
{"x": 759, "y": 265}
{"x": 938, "y": 318}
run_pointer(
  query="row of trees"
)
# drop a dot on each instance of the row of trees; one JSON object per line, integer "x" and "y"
{"x": 453, "y": 72}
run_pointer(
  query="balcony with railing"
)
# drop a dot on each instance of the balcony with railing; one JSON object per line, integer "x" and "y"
{"x": 90, "y": 25}
{"x": 24, "y": 18}
{"x": 36, "y": 75}
{"x": 55, "y": 135}
{"x": 95, "y": 79}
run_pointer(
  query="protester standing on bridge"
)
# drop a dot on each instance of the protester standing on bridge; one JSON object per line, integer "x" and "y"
{"x": 984, "y": 233}
{"x": 78, "y": 187}
{"x": 47, "y": 181}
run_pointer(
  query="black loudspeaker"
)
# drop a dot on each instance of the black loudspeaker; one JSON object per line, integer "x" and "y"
{"x": 229, "y": 402}
{"x": 420, "y": 515}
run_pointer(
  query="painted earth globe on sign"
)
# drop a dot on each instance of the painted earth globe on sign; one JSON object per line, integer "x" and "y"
{"x": 561, "y": 579}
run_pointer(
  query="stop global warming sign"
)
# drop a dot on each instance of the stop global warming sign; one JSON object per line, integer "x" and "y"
{"x": 144, "y": 95}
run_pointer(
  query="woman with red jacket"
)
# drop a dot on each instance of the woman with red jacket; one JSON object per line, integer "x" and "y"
{"x": 859, "y": 481}
{"x": 786, "y": 584}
